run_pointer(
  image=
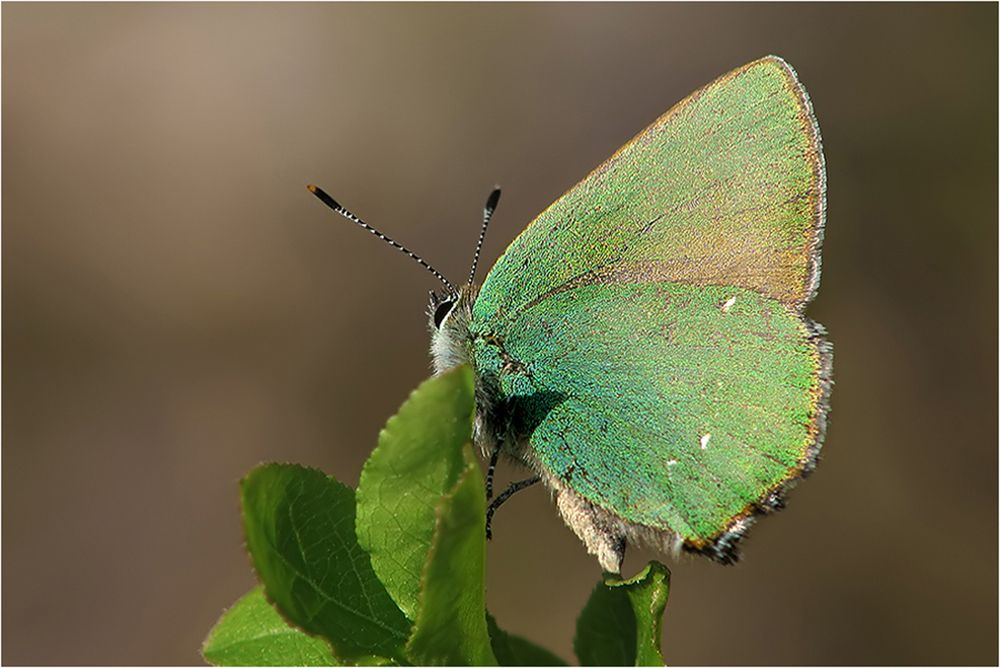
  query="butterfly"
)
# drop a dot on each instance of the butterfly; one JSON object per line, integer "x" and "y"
{"x": 641, "y": 346}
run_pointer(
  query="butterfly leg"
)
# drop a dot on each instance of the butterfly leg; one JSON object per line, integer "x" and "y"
{"x": 491, "y": 470}
{"x": 514, "y": 488}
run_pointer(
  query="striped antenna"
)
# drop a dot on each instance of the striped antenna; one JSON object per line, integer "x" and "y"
{"x": 491, "y": 206}
{"x": 335, "y": 205}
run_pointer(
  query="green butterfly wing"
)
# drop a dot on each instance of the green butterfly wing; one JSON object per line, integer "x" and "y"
{"x": 647, "y": 326}
{"x": 679, "y": 408}
{"x": 727, "y": 187}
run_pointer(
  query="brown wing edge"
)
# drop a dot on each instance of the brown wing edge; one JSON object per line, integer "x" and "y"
{"x": 724, "y": 546}
{"x": 807, "y": 117}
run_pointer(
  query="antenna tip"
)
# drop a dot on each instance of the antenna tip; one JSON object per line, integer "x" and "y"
{"x": 323, "y": 197}
{"x": 494, "y": 198}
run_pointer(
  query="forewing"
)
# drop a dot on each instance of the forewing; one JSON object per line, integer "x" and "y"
{"x": 676, "y": 407}
{"x": 726, "y": 188}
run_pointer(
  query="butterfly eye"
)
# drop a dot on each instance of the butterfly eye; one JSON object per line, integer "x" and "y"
{"x": 443, "y": 309}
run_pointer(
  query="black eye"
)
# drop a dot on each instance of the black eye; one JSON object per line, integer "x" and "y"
{"x": 443, "y": 309}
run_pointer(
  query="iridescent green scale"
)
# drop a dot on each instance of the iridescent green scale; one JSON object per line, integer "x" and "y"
{"x": 644, "y": 336}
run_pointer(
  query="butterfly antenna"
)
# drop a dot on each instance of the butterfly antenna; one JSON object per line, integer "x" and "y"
{"x": 336, "y": 206}
{"x": 491, "y": 206}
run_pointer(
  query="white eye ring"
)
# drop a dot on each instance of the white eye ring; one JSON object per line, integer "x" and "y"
{"x": 442, "y": 311}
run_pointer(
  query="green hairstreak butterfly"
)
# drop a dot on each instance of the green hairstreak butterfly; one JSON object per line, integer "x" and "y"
{"x": 641, "y": 346}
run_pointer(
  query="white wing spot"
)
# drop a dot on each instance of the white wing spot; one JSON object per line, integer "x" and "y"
{"x": 729, "y": 304}
{"x": 672, "y": 462}
{"x": 704, "y": 440}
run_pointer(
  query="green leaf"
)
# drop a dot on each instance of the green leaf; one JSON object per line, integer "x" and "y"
{"x": 252, "y": 633}
{"x": 605, "y": 630}
{"x": 512, "y": 650}
{"x": 299, "y": 528}
{"x": 621, "y": 623}
{"x": 450, "y": 628}
{"x": 418, "y": 459}
{"x": 647, "y": 592}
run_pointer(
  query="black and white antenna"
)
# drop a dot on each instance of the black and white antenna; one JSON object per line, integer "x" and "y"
{"x": 491, "y": 206}
{"x": 336, "y": 206}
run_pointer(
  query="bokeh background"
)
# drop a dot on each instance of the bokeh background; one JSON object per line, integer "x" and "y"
{"x": 177, "y": 308}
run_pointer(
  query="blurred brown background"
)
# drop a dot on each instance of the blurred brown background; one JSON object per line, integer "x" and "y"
{"x": 178, "y": 308}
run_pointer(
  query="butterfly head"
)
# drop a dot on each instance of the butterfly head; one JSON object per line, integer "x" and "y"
{"x": 439, "y": 307}
{"x": 448, "y": 318}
